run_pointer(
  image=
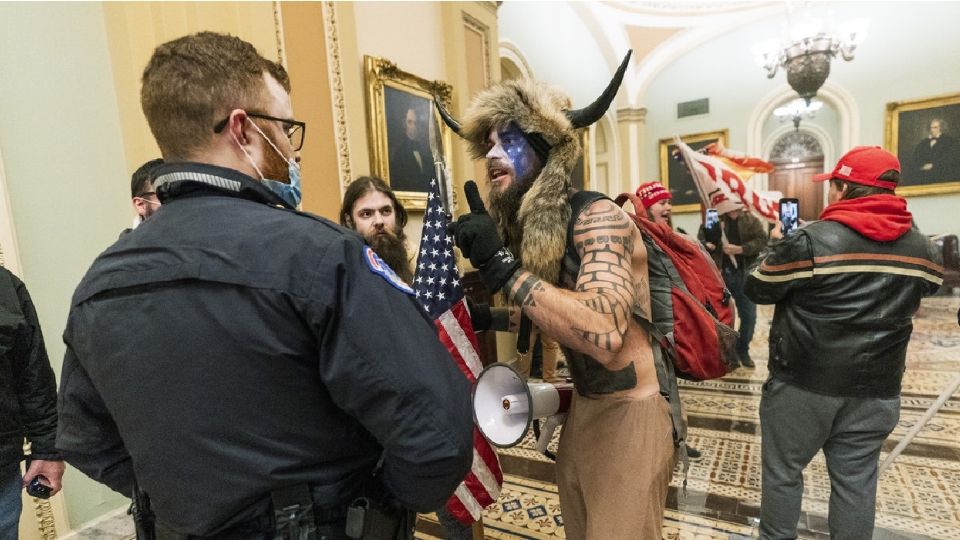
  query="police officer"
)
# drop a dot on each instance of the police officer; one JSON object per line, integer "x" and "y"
{"x": 258, "y": 369}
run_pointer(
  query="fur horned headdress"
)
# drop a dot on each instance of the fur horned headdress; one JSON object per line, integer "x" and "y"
{"x": 543, "y": 114}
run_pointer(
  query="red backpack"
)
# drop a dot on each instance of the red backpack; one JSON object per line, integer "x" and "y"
{"x": 692, "y": 311}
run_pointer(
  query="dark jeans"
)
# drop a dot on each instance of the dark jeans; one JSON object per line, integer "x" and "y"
{"x": 10, "y": 490}
{"x": 746, "y": 310}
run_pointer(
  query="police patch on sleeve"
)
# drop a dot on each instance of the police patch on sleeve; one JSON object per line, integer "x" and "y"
{"x": 382, "y": 269}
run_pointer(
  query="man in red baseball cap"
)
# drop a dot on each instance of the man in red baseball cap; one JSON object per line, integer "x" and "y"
{"x": 845, "y": 288}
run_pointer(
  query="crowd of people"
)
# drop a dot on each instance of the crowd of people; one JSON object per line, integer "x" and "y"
{"x": 292, "y": 388}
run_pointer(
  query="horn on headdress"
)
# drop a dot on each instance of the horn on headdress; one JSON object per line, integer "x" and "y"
{"x": 447, "y": 119}
{"x": 581, "y": 118}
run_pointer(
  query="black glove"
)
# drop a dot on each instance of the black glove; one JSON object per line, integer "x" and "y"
{"x": 477, "y": 237}
{"x": 480, "y": 315}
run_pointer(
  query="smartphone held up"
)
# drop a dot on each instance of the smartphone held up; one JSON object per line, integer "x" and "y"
{"x": 789, "y": 215}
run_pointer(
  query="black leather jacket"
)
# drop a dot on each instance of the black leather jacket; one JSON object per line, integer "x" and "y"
{"x": 28, "y": 390}
{"x": 844, "y": 306}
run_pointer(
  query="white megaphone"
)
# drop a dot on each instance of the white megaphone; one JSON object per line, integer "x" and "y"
{"x": 505, "y": 405}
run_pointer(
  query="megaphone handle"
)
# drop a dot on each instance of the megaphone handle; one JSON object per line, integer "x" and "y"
{"x": 523, "y": 336}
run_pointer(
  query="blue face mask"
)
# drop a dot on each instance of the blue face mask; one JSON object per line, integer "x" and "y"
{"x": 288, "y": 192}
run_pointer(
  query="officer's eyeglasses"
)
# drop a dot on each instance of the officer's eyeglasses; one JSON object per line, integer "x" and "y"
{"x": 294, "y": 129}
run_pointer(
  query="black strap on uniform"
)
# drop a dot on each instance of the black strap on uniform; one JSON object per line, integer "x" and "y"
{"x": 144, "y": 521}
{"x": 293, "y": 513}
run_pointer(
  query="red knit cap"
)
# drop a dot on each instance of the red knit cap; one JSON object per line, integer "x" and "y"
{"x": 651, "y": 193}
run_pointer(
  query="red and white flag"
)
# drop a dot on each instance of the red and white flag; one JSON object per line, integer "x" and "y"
{"x": 721, "y": 181}
{"x": 438, "y": 288}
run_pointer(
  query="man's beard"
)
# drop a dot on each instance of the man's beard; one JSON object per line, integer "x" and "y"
{"x": 393, "y": 250}
{"x": 274, "y": 167}
{"x": 505, "y": 207}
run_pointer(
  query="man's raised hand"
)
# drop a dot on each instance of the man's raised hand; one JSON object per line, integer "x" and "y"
{"x": 477, "y": 237}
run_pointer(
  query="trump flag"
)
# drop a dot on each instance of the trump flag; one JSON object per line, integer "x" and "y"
{"x": 720, "y": 185}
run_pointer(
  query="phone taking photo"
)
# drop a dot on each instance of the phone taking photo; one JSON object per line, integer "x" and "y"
{"x": 713, "y": 219}
{"x": 789, "y": 215}
{"x": 711, "y": 226}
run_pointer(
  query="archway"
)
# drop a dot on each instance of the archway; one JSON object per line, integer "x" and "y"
{"x": 796, "y": 156}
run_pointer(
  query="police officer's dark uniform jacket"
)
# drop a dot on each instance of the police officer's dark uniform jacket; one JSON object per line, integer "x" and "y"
{"x": 228, "y": 348}
{"x": 846, "y": 292}
{"x": 28, "y": 389}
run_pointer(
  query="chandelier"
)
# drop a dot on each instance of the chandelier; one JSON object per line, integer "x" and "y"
{"x": 796, "y": 110}
{"x": 807, "y": 49}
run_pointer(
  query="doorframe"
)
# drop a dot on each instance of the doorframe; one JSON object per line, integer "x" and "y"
{"x": 815, "y": 131}
{"x": 848, "y": 113}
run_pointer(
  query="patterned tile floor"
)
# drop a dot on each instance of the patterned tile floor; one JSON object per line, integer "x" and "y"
{"x": 918, "y": 497}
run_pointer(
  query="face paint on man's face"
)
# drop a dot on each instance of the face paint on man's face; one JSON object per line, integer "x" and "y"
{"x": 519, "y": 151}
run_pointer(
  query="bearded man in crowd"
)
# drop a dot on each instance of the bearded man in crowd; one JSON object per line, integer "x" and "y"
{"x": 371, "y": 208}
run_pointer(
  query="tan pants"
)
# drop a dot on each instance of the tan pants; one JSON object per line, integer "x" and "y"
{"x": 614, "y": 464}
{"x": 551, "y": 355}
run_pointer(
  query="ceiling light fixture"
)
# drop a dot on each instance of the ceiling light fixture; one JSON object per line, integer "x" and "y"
{"x": 807, "y": 48}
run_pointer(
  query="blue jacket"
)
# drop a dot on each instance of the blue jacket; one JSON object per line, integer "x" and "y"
{"x": 228, "y": 347}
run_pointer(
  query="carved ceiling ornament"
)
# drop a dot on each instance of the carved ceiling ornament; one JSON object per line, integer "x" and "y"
{"x": 796, "y": 145}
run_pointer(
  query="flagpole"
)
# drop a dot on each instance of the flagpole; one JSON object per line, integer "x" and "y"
{"x": 703, "y": 196}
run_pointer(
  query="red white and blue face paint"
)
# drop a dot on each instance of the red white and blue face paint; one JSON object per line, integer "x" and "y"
{"x": 511, "y": 159}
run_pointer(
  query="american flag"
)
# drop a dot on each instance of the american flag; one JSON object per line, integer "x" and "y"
{"x": 437, "y": 285}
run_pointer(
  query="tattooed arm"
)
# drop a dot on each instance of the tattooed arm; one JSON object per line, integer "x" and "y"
{"x": 594, "y": 318}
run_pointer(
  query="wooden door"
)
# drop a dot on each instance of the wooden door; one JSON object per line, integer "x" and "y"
{"x": 796, "y": 180}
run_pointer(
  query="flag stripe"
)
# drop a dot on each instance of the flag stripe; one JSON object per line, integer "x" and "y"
{"x": 483, "y": 473}
{"x": 437, "y": 286}
{"x": 469, "y": 502}
{"x": 465, "y": 350}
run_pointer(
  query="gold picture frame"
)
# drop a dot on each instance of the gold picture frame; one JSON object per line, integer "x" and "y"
{"x": 674, "y": 174}
{"x": 926, "y": 169}
{"x": 395, "y": 100}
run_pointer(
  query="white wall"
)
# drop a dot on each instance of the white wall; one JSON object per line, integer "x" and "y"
{"x": 911, "y": 52}
{"x": 65, "y": 170}
{"x": 558, "y": 47}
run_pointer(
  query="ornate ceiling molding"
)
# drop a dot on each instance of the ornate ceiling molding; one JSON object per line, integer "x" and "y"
{"x": 632, "y": 114}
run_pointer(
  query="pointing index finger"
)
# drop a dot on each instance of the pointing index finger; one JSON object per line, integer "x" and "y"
{"x": 473, "y": 198}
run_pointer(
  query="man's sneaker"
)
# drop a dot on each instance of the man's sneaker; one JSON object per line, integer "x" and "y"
{"x": 693, "y": 453}
{"x": 746, "y": 361}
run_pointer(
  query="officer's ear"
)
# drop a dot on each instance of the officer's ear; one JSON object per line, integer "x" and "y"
{"x": 348, "y": 221}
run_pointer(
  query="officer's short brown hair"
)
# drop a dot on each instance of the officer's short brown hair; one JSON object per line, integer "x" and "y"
{"x": 193, "y": 82}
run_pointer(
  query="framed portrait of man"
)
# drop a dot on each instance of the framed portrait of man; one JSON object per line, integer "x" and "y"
{"x": 409, "y": 142}
{"x": 925, "y": 136}
{"x": 675, "y": 176}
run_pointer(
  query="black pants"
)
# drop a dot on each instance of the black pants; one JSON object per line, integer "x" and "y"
{"x": 255, "y": 530}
